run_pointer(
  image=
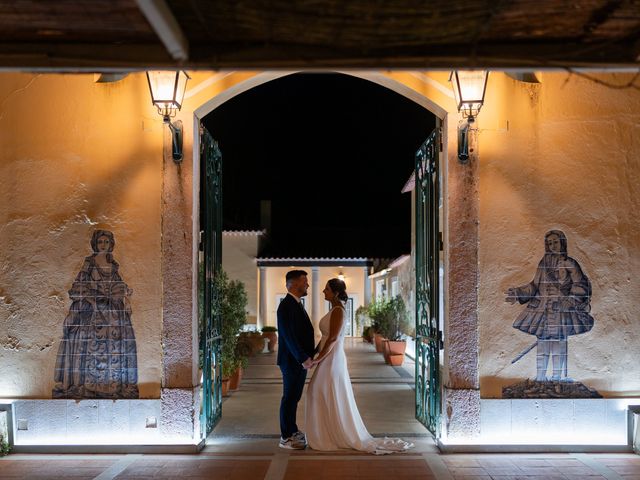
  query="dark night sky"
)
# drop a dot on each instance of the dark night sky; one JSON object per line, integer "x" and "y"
{"x": 332, "y": 153}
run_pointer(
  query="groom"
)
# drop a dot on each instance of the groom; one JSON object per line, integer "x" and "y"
{"x": 295, "y": 351}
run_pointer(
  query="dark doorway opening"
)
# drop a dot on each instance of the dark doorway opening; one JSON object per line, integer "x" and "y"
{"x": 329, "y": 154}
{"x": 332, "y": 153}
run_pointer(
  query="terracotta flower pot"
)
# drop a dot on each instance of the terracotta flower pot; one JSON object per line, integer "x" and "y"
{"x": 256, "y": 342}
{"x": 377, "y": 340}
{"x": 394, "y": 352}
{"x": 385, "y": 351}
{"x": 234, "y": 381}
{"x": 396, "y": 360}
{"x": 225, "y": 387}
{"x": 397, "y": 347}
{"x": 273, "y": 340}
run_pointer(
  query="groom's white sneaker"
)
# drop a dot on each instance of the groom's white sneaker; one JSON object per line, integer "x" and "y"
{"x": 300, "y": 436}
{"x": 294, "y": 442}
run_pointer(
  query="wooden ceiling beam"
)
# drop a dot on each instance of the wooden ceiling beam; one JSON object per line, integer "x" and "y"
{"x": 131, "y": 57}
{"x": 83, "y": 57}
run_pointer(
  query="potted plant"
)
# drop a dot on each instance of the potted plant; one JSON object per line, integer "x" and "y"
{"x": 230, "y": 300}
{"x": 398, "y": 323}
{"x": 240, "y": 364}
{"x": 270, "y": 333}
{"x": 379, "y": 313}
{"x": 255, "y": 340}
{"x": 243, "y": 351}
{"x": 228, "y": 368}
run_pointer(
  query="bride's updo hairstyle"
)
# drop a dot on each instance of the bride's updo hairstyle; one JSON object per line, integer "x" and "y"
{"x": 338, "y": 287}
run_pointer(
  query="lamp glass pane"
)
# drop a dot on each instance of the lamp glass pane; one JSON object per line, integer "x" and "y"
{"x": 181, "y": 88}
{"x": 472, "y": 85}
{"x": 455, "y": 85}
{"x": 162, "y": 86}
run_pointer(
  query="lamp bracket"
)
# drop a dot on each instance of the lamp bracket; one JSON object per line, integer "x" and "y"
{"x": 176, "y": 138}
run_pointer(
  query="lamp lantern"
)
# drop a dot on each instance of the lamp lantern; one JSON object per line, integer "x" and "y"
{"x": 167, "y": 93}
{"x": 469, "y": 87}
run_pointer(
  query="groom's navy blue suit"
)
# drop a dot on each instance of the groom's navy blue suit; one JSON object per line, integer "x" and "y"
{"x": 295, "y": 346}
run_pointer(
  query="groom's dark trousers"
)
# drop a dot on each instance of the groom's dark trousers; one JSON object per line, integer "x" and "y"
{"x": 295, "y": 345}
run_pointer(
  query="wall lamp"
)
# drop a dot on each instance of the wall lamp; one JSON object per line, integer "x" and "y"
{"x": 469, "y": 87}
{"x": 167, "y": 92}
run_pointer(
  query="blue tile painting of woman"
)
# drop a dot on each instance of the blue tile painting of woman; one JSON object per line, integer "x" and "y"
{"x": 97, "y": 357}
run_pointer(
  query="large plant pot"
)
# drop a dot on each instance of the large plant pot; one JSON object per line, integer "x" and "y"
{"x": 397, "y": 347}
{"x": 377, "y": 340}
{"x": 368, "y": 337}
{"x": 257, "y": 343}
{"x": 273, "y": 340}
{"x": 394, "y": 352}
{"x": 385, "y": 351}
{"x": 234, "y": 380}
{"x": 396, "y": 360}
{"x": 253, "y": 342}
{"x": 225, "y": 387}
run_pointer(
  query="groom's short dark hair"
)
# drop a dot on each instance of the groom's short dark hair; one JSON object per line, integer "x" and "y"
{"x": 294, "y": 275}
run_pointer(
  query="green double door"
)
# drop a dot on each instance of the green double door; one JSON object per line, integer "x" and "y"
{"x": 427, "y": 256}
{"x": 210, "y": 264}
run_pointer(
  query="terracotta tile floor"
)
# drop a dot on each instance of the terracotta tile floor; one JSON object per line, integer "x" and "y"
{"x": 279, "y": 465}
{"x": 365, "y": 468}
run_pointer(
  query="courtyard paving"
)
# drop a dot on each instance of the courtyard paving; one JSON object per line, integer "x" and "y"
{"x": 244, "y": 444}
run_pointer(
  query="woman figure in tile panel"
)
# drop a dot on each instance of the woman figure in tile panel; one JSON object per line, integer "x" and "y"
{"x": 97, "y": 354}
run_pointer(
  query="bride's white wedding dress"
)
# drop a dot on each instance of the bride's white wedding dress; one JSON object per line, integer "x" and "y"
{"x": 332, "y": 419}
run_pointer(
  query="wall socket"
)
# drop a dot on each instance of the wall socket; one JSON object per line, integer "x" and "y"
{"x": 23, "y": 424}
{"x": 152, "y": 422}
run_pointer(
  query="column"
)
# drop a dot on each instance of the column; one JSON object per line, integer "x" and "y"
{"x": 367, "y": 286}
{"x": 179, "y": 394}
{"x": 315, "y": 295}
{"x": 262, "y": 301}
{"x": 461, "y": 402}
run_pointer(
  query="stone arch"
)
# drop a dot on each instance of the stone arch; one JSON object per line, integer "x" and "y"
{"x": 459, "y": 182}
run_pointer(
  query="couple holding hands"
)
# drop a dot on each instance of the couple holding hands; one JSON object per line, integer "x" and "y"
{"x": 332, "y": 418}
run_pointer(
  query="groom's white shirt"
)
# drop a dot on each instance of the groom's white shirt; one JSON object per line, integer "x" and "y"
{"x": 296, "y": 298}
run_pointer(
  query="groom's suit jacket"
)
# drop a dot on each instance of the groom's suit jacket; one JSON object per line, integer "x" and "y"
{"x": 296, "y": 337}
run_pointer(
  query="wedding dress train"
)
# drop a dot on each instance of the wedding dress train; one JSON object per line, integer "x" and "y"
{"x": 332, "y": 419}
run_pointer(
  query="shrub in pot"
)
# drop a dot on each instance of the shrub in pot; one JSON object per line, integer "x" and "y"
{"x": 230, "y": 302}
{"x": 379, "y": 313}
{"x": 229, "y": 366}
{"x": 398, "y": 323}
{"x": 236, "y": 377}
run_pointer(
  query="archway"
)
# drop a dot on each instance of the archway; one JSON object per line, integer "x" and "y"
{"x": 379, "y": 79}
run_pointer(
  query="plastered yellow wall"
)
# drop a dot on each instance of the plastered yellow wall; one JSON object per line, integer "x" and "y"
{"x": 563, "y": 155}
{"x": 74, "y": 156}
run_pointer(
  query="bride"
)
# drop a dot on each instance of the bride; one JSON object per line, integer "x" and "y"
{"x": 332, "y": 418}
